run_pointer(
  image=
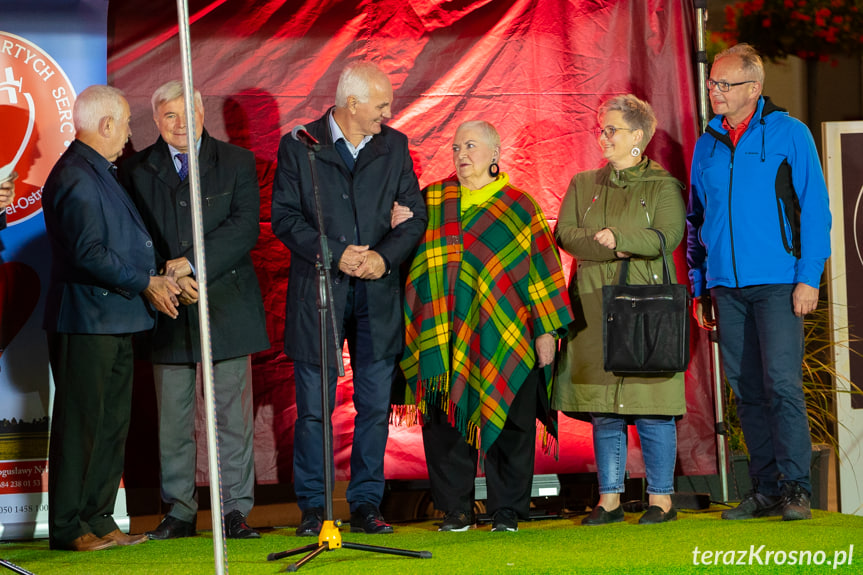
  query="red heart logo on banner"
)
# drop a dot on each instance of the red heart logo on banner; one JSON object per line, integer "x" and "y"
{"x": 19, "y": 294}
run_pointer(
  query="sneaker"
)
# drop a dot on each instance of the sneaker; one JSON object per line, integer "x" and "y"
{"x": 368, "y": 519}
{"x": 755, "y": 505}
{"x": 456, "y": 521}
{"x": 311, "y": 523}
{"x": 237, "y": 528}
{"x": 795, "y": 502}
{"x": 505, "y": 519}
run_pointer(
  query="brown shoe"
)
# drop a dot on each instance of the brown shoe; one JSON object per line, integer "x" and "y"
{"x": 89, "y": 542}
{"x": 121, "y": 538}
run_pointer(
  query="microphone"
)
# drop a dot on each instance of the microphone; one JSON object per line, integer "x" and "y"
{"x": 300, "y": 134}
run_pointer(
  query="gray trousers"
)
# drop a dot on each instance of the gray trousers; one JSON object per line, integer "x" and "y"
{"x": 175, "y": 396}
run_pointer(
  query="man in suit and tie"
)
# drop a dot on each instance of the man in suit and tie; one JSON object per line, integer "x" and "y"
{"x": 102, "y": 267}
{"x": 364, "y": 168}
{"x": 157, "y": 179}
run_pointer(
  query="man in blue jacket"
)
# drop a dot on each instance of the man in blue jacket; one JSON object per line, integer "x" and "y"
{"x": 103, "y": 274}
{"x": 759, "y": 235}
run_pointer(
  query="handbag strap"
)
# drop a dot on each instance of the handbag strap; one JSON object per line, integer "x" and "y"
{"x": 666, "y": 276}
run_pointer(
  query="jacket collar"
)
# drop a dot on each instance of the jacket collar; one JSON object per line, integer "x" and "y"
{"x": 764, "y": 108}
{"x": 375, "y": 148}
{"x": 103, "y": 170}
{"x": 162, "y": 164}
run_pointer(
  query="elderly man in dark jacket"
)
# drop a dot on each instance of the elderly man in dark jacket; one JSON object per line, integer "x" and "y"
{"x": 157, "y": 180}
{"x": 364, "y": 168}
{"x": 102, "y": 269}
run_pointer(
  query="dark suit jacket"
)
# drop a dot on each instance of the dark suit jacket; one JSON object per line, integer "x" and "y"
{"x": 383, "y": 174}
{"x": 230, "y": 202}
{"x": 102, "y": 256}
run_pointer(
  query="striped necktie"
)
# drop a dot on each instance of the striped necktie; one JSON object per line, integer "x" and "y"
{"x": 184, "y": 166}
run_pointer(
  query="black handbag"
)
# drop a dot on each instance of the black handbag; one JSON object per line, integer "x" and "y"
{"x": 646, "y": 327}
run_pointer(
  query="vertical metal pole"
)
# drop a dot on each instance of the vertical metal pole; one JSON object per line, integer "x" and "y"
{"x": 716, "y": 365}
{"x": 719, "y": 412}
{"x": 701, "y": 59}
{"x": 219, "y": 551}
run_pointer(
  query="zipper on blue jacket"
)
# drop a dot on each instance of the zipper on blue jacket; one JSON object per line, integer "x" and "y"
{"x": 730, "y": 222}
{"x": 725, "y": 139}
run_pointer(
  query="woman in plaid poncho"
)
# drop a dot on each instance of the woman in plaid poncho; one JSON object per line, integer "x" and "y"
{"x": 485, "y": 303}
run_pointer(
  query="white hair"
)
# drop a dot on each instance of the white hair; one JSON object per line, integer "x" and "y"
{"x": 487, "y": 132}
{"x": 93, "y": 104}
{"x": 356, "y": 80}
{"x": 171, "y": 91}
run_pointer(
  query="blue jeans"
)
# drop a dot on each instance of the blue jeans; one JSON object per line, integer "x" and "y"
{"x": 762, "y": 353}
{"x": 658, "y": 436}
{"x": 372, "y": 385}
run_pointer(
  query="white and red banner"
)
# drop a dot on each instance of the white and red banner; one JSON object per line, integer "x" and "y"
{"x": 49, "y": 51}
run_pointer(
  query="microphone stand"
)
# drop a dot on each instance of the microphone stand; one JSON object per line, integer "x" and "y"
{"x": 330, "y": 538}
{"x": 14, "y": 568}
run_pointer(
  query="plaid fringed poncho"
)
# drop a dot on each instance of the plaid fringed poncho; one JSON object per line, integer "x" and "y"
{"x": 481, "y": 289}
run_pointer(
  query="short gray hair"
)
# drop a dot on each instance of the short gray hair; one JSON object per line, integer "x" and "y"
{"x": 637, "y": 113}
{"x": 356, "y": 80}
{"x": 171, "y": 91}
{"x": 93, "y": 104}
{"x": 750, "y": 61}
{"x": 487, "y": 132}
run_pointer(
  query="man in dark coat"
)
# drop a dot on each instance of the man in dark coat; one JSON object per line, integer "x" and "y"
{"x": 364, "y": 168}
{"x": 157, "y": 179}
{"x": 102, "y": 266}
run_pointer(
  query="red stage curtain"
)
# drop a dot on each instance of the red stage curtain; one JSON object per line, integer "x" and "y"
{"x": 536, "y": 69}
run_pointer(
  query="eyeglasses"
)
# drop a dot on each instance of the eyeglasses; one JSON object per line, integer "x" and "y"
{"x": 725, "y": 86}
{"x": 609, "y": 131}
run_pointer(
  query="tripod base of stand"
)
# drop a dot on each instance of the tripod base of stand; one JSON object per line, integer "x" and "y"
{"x": 12, "y": 567}
{"x": 330, "y": 539}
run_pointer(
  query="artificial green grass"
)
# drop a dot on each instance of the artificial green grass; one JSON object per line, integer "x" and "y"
{"x": 550, "y": 546}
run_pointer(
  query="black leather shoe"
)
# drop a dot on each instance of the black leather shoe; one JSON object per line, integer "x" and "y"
{"x": 368, "y": 519}
{"x": 172, "y": 528}
{"x": 599, "y": 516}
{"x": 313, "y": 520}
{"x": 237, "y": 528}
{"x": 655, "y": 514}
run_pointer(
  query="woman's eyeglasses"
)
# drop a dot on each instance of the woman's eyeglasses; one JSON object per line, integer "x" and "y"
{"x": 609, "y": 131}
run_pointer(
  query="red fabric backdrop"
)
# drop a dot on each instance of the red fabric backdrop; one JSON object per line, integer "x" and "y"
{"x": 536, "y": 69}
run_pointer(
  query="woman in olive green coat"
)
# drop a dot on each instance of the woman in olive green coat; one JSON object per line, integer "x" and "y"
{"x": 607, "y": 216}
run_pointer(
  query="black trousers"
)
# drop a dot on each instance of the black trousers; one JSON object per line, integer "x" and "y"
{"x": 452, "y": 462}
{"x": 89, "y": 424}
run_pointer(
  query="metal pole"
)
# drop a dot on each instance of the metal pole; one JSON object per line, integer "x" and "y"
{"x": 701, "y": 59}
{"x": 719, "y": 412}
{"x": 716, "y": 365}
{"x": 219, "y": 551}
